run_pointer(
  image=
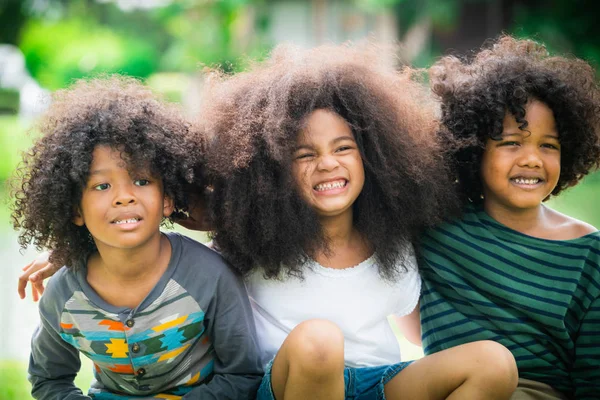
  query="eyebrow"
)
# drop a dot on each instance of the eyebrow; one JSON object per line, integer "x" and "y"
{"x": 98, "y": 171}
{"x": 548, "y": 135}
{"x": 334, "y": 141}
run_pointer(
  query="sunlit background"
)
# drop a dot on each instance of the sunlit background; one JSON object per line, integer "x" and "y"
{"x": 46, "y": 44}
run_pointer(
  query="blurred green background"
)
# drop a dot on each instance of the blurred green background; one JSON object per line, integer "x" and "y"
{"x": 46, "y": 44}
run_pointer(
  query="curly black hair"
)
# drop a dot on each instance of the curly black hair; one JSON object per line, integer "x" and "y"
{"x": 115, "y": 111}
{"x": 476, "y": 94}
{"x": 252, "y": 120}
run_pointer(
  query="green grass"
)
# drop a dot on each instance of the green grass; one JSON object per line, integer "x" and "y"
{"x": 13, "y": 381}
{"x": 14, "y": 384}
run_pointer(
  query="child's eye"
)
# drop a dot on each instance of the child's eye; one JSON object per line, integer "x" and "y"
{"x": 509, "y": 143}
{"x": 550, "y": 146}
{"x": 101, "y": 187}
{"x": 303, "y": 156}
{"x": 344, "y": 148}
{"x": 141, "y": 182}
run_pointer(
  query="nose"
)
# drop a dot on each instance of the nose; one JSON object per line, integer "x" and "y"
{"x": 124, "y": 195}
{"x": 327, "y": 162}
{"x": 530, "y": 157}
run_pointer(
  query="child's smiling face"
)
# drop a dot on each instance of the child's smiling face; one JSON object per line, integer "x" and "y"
{"x": 327, "y": 164}
{"x": 118, "y": 209}
{"x": 522, "y": 169}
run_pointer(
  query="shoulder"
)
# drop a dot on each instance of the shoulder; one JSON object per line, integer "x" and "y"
{"x": 569, "y": 227}
{"x": 59, "y": 290}
{"x": 203, "y": 260}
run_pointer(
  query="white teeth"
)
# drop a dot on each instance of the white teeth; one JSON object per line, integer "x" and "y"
{"x": 524, "y": 181}
{"x": 126, "y": 221}
{"x": 330, "y": 185}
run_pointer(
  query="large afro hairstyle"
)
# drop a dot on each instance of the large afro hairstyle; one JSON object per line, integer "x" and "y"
{"x": 115, "y": 111}
{"x": 476, "y": 94}
{"x": 252, "y": 120}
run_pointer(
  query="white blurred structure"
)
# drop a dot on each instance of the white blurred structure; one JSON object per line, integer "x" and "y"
{"x": 33, "y": 99}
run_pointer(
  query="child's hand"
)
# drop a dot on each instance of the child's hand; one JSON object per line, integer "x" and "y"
{"x": 36, "y": 272}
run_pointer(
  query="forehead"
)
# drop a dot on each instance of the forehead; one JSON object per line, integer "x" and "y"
{"x": 105, "y": 155}
{"x": 538, "y": 115}
{"x": 324, "y": 126}
{"x": 105, "y": 158}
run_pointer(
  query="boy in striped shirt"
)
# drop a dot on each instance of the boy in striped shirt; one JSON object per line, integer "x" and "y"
{"x": 524, "y": 126}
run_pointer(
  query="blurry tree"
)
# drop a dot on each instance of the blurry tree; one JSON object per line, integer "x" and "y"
{"x": 63, "y": 40}
{"x": 58, "y": 52}
{"x": 12, "y": 18}
{"x": 564, "y": 25}
{"x": 213, "y": 32}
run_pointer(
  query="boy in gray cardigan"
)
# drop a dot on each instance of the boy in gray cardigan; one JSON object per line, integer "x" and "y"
{"x": 160, "y": 315}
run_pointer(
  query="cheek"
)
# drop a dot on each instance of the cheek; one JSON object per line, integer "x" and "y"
{"x": 486, "y": 170}
{"x": 554, "y": 166}
{"x": 301, "y": 175}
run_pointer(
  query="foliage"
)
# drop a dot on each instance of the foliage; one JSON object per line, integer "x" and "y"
{"x": 9, "y": 101}
{"x": 212, "y": 33}
{"x": 56, "y": 53}
{"x": 563, "y": 25}
{"x": 65, "y": 40}
{"x": 13, "y": 140}
{"x": 12, "y": 19}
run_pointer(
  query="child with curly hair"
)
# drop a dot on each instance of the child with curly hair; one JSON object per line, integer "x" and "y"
{"x": 324, "y": 170}
{"x": 511, "y": 269}
{"x": 160, "y": 315}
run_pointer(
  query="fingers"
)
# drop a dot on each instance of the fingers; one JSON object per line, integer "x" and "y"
{"x": 23, "y": 279}
{"x": 37, "y": 282}
{"x": 35, "y": 272}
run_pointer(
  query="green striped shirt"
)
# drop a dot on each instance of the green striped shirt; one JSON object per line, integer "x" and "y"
{"x": 539, "y": 298}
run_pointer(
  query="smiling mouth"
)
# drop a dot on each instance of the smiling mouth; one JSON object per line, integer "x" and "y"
{"x": 126, "y": 221}
{"x": 526, "y": 181}
{"x": 330, "y": 185}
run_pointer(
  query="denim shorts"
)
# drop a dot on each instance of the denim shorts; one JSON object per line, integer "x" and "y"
{"x": 364, "y": 383}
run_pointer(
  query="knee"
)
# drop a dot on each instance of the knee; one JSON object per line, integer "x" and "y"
{"x": 316, "y": 347}
{"x": 500, "y": 365}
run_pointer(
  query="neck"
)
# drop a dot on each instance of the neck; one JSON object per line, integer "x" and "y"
{"x": 346, "y": 246}
{"x": 339, "y": 230}
{"x": 126, "y": 265}
{"x": 524, "y": 221}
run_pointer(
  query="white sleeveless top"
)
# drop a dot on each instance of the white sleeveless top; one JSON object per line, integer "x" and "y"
{"x": 356, "y": 299}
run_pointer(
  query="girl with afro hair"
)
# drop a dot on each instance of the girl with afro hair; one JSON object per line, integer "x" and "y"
{"x": 525, "y": 126}
{"x": 324, "y": 169}
{"x": 113, "y": 163}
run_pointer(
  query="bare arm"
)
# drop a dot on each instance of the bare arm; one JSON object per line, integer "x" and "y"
{"x": 410, "y": 326}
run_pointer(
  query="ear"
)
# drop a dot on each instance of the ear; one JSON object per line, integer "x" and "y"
{"x": 168, "y": 206}
{"x": 77, "y": 217}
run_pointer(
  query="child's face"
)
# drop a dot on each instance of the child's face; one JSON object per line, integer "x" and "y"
{"x": 522, "y": 169}
{"x": 327, "y": 164}
{"x": 121, "y": 210}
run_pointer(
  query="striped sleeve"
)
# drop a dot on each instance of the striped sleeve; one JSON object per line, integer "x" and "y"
{"x": 586, "y": 368}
